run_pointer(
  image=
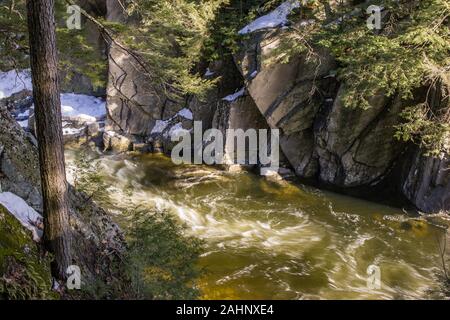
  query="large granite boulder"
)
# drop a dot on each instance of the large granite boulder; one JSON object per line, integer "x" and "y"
{"x": 357, "y": 147}
{"x": 427, "y": 183}
{"x": 329, "y": 143}
{"x": 236, "y": 111}
{"x": 289, "y": 95}
{"x": 134, "y": 101}
{"x": 133, "y": 104}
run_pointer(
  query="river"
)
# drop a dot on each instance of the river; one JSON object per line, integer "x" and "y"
{"x": 279, "y": 240}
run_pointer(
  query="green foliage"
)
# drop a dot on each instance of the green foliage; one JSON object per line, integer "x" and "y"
{"x": 89, "y": 180}
{"x": 76, "y": 53}
{"x": 423, "y": 128}
{"x": 162, "y": 260}
{"x": 13, "y": 35}
{"x": 24, "y": 274}
{"x": 393, "y": 61}
{"x": 412, "y": 51}
{"x": 224, "y": 38}
{"x": 169, "y": 36}
{"x": 174, "y": 36}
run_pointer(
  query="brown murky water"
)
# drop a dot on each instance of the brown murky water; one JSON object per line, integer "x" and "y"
{"x": 271, "y": 240}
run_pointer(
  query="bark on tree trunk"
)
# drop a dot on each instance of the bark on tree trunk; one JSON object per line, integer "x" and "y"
{"x": 43, "y": 56}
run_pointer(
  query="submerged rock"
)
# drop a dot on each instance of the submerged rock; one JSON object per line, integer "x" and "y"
{"x": 116, "y": 142}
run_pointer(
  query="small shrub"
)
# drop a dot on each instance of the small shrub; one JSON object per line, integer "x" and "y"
{"x": 162, "y": 260}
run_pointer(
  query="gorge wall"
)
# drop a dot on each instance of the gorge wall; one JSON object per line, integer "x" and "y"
{"x": 336, "y": 146}
{"x": 324, "y": 142}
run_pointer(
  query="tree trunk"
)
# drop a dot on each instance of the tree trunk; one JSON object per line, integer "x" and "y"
{"x": 43, "y": 56}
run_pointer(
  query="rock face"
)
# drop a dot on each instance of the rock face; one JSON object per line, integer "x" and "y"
{"x": 133, "y": 105}
{"x": 19, "y": 171}
{"x": 427, "y": 179}
{"x": 324, "y": 141}
{"x": 330, "y": 144}
{"x": 427, "y": 183}
{"x": 141, "y": 110}
{"x": 284, "y": 95}
{"x": 98, "y": 242}
{"x": 357, "y": 147}
{"x": 71, "y": 78}
{"x": 134, "y": 102}
{"x": 240, "y": 113}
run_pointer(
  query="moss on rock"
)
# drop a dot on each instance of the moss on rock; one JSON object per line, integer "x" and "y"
{"x": 24, "y": 272}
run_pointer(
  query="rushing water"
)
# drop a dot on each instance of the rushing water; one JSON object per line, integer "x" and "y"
{"x": 277, "y": 240}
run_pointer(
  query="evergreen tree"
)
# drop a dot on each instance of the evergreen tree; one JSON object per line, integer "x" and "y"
{"x": 411, "y": 51}
{"x": 43, "y": 57}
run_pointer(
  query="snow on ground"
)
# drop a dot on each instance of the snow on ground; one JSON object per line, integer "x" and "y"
{"x": 76, "y": 107}
{"x": 82, "y": 107}
{"x": 277, "y": 18}
{"x": 79, "y": 108}
{"x": 23, "y": 123}
{"x": 14, "y": 81}
{"x": 24, "y": 114}
{"x": 234, "y": 96}
{"x": 26, "y": 215}
{"x": 162, "y": 125}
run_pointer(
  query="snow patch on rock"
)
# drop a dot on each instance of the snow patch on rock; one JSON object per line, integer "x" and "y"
{"x": 23, "y": 123}
{"x": 276, "y": 18}
{"x": 160, "y": 126}
{"x": 235, "y": 96}
{"x": 209, "y": 73}
{"x": 175, "y": 130}
{"x": 186, "y": 113}
{"x": 25, "y": 214}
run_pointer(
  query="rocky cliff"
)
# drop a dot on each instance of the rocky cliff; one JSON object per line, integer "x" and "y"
{"x": 135, "y": 102}
{"x": 334, "y": 145}
{"x": 325, "y": 142}
{"x": 98, "y": 243}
